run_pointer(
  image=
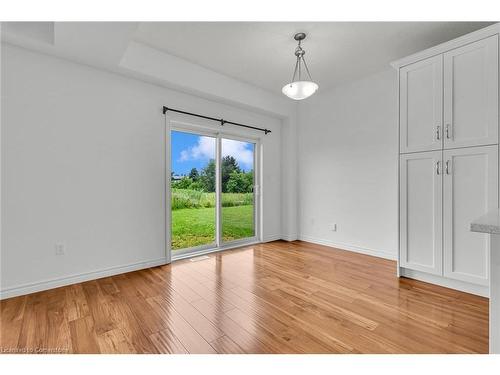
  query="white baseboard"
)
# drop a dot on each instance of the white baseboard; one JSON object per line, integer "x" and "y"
{"x": 289, "y": 237}
{"x": 349, "y": 247}
{"x": 479, "y": 290}
{"x": 271, "y": 238}
{"x": 68, "y": 280}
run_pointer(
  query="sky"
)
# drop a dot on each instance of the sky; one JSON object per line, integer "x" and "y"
{"x": 194, "y": 151}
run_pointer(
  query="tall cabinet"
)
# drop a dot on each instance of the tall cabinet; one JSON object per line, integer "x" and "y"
{"x": 448, "y": 159}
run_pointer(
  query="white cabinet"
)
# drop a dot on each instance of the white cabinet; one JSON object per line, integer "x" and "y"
{"x": 421, "y": 212}
{"x": 471, "y": 94}
{"x": 448, "y": 163}
{"x": 450, "y": 100}
{"x": 421, "y": 98}
{"x": 470, "y": 189}
{"x": 441, "y": 193}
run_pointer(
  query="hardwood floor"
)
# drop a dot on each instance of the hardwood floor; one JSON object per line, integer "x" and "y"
{"x": 278, "y": 297}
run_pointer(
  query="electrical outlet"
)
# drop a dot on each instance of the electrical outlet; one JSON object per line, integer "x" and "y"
{"x": 333, "y": 227}
{"x": 60, "y": 248}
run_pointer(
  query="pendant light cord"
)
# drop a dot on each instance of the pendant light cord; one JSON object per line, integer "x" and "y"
{"x": 307, "y": 69}
{"x": 295, "y": 70}
{"x": 299, "y": 52}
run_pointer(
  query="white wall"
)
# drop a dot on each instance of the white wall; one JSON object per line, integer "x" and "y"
{"x": 348, "y": 149}
{"x": 147, "y": 62}
{"x": 82, "y": 164}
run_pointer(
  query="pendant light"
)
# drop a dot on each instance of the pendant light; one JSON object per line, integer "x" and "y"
{"x": 300, "y": 89}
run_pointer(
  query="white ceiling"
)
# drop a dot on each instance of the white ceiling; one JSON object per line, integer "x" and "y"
{"x": 258, "y": 53}
{"x": 261, "y": 53}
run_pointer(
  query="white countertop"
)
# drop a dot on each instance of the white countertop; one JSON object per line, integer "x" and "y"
{"x": 489, "y": 223}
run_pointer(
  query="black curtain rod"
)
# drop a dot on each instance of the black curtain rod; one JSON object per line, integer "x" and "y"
{"x": 221, "y": 121}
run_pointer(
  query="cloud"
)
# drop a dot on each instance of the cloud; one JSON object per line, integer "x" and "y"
{"x": 241, "y": 151}
{"x": 205, "y": 150}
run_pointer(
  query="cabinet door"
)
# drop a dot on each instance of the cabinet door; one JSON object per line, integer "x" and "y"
{"x": 471, "y": 94}
{"x": 421, "y": 211}
{"x": 470, "y": 190}
{"x": 421, "y": 99}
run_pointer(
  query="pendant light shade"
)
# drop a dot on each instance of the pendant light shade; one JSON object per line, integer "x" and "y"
{"x": 300, "y": 89}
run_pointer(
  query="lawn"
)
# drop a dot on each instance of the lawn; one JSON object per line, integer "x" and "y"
{"x": 196, "y": 226}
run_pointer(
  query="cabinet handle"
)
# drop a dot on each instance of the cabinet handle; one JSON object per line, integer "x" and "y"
{"x": 447, "y": 167}
{"x": 437, "y": 167}
{"x": 448, "y": 131}
{"x": 438, "y": 132}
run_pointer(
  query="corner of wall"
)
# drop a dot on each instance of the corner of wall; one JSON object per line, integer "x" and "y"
{"x": 289, "y": 199}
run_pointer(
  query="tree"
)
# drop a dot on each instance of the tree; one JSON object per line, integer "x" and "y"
{"x": 236, "y": 183}
{"x": 240, "y": 182}
{"x": 207, "y": 177}
{"x": 249, "y": 181}
{"x": 228, "y": 166}
{"x": 193, "y": 175}
{"x": 183, "y": 183}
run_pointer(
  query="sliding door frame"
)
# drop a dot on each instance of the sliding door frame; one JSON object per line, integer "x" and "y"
{"x": 256, "y": 190}
{"x": 188, "y": 128}
{"x": 196, "y": 128}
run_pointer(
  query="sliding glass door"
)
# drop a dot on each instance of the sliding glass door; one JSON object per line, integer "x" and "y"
{"x": 212, "y": 191}
{"x": 192, "y": 190}
{"x": 237, "y": 189}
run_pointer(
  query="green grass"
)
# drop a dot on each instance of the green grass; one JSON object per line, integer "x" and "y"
{"x": 186, "y": 198}
{"x": 194, "y": 227}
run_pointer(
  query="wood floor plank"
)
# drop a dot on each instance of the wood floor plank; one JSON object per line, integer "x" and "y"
{"x": 224, "y": 345}
{"x": 115, "y": 341}
{"x": 197, "y": 320}
{"x": 76, "y": 302}
{"x": 244, "y": 339}
{"x": 166, "y": 342}
{"x": 84, "y": 336}
{"x": 133, "y": 329}
{"x": 164, "y": 278}
{"x": 11, "y": 322}
{"x": 99, "y": 308}
{"x": 186, "y": 334}
{"x": 58, "y": 332}
{"x": 278, "y": 297}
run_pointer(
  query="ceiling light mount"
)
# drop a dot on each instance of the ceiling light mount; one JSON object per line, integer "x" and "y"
{"x": 299, "y": 36}
{"x": 300, "y": 89}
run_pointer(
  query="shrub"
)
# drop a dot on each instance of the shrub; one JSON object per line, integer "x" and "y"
{"x": 240, "y": 182}
{"x": 183, "y": 183}
{"x": 236, "y": 199}
{"x": 196, "y": 185}
{"x": 188, "y": 198}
